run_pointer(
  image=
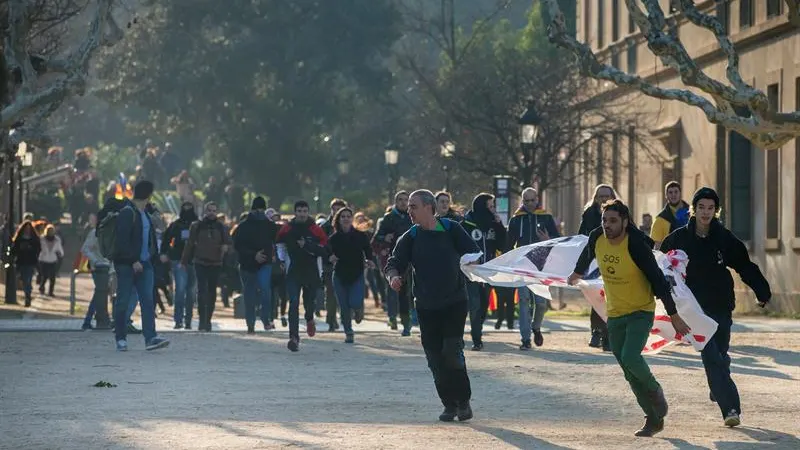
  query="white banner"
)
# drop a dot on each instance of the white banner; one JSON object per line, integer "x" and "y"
{"x": 549, "y": 264}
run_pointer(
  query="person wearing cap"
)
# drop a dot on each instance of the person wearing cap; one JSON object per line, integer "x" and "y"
{"x": 134, "y": 246}
{"x": 712, "y": 249}
{"x": 254, "y": 242}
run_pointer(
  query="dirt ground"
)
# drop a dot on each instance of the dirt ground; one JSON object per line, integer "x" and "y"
{"x": 233, "y": 391}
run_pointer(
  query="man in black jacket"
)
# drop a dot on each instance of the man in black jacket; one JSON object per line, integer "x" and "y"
{"x": 590, "y": 220}
{"x": 712, "y": 249}
{"x": 433, "y": 249}
{"x": 630, "y": 278}
{"x": 487, "y": 231}
{"x": 254, "y": 242}
{"x": 134, "y": 245}
{"x": 327, "y": 270}
{"x": 390, "y": 228}
{"x": 172, "y": 244}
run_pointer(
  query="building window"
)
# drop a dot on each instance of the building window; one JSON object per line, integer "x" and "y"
{"x": 632, "y": 168}
{"x": 587, "y": 22}
{"x": 741, "y": 186}
{"x": 722, "y": 166}
{"x": 614, "y": 20}
{"x": 600, "y": 24}
{"x": 615, "y": 160}
{"x": 774, "y": 8}
{"x": 632, "y": 49}
{"x": 724, "y": 14}
{"x": 773, "y": 173}
{"x": 746, "y": 13}
{"x": 600, "y": 160}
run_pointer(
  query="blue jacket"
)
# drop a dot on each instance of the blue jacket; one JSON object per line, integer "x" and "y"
{"x": 128, "y": 242}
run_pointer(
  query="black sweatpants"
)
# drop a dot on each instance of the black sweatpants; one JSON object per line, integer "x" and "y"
{"x": 442, "y": 335}
{"x": 207, "y": 282}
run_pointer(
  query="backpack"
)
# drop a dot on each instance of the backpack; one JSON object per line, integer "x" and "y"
{"x": 107, "y": 233}
{"x": 447, "y": 224}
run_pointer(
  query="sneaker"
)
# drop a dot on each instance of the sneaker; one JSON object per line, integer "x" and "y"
{"x": 594, "y": 342}
{"x": 87, "y": 327}
{"x": 284, "y": 322}
{"x": 538, "y": 339}
{"x": 659, "y": 402}
{"x": 251, "y": 330}
{"x": 449, "y": 414}
{"x": 133, "y": 330}
{"x": 157, "y": 343}
{"x": 464, "y": 411}
{"x": 311, "y": 328}
{"x": 122, "y": 345}
{"x": 732, "y": 419}
{"x": 269, "y": 326}
{"x": 477, "y": 346}
{"x": 526, "y": 345}
{"x": 498, "y": 324}
{"x": 393, "y": 324}
{"x": 178, "y": 326}
{"x": 294, "y": 344}
{"x": 349, "y": 339}
{"x": 188, "y": 326}
{"x": 606, "y": 345}
{"x": 332, "y": 327}
{"x": 650, "y": 428}
{"x": 406, "y": 332}
{"x": 358, "y": 315}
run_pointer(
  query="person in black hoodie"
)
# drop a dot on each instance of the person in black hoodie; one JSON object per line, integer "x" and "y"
{"x": 712, "y": 249}
{"x": 25, "y": 250}
{"x": 487, "y": 231}
{"x": 390, "y": 228}
{"x": 350, "y": 252}
{"x": 172, "y": 244}
{"x": 433, "y": 249}
{"x": 591, "y": 220}
{"x": 254, "y": 241}
{"x": 300, "y": 243}
{"x": 327, "y": 269}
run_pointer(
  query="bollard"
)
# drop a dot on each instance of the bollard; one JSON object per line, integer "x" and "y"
{"x": 72, "y": 292}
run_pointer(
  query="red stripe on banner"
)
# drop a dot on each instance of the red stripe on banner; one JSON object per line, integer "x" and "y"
{"x": 547, "y": 282}
{"x": 699, "y": 337}
{"x": 603, "y": 293}
{"x": 678, "y": 337}
{"x": 658, "y": 344}
{"x": 664, "y": 318}
{"x": 655, "y": 331}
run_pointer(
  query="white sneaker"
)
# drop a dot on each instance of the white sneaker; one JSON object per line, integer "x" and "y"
{"x": 732, "y": 419}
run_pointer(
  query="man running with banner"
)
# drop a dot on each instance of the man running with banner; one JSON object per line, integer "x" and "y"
{"x": 631, "y": 276}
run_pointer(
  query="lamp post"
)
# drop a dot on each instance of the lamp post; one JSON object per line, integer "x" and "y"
{"x": 13, "y": 160}
{"x": 344, "y": 168}
{"x": 529, "y": 128}
{"x": 447, "y": 150}
{"x": 391, "y": 156}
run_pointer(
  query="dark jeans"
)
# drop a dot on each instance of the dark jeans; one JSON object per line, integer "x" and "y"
{"x": 627, "y": 335}
{"x": 505, "y": 305}
{"x": 48, "y": 274}
{"x": 257, "y": 291}
{"x": 99, "y": 305}
{"x": 185, "y": 292}
{"x": 351, "y": 297}
{"x": 141, "y": 283}
{"x": 207, "y": 281}
{"x": 309, "y": 284}
{"x": 598, "y": 325}
{"x": 478, "y": 304}
{"x": 717, "y": 363}
{"x": 330, "y": 297}
{"x": 442, "y": 334}
{"x": 26, "y": 273}
{"x": 398, "y": 302}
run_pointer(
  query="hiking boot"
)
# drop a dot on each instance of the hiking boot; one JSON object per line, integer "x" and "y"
{"x": 349, "y": 339}
{"x": 732, "y": 419}
{"x": 464, "y": 411}
{"x": 358, "y": 315}
{"x": 449, "y": 414}
{"x": 157, "y": 343}
{"x": 284, "y": 322}
{"x": 526, "y": 345}
{"x": 650, "y": 428}
{"x": 294, "y": 344}
{"x": 538, "y": 339}
{"x": 311, "y": 328}
{"x": 594, "y": 342}
{"x": 477, "y": 346}
{"x": 659, "y": 402}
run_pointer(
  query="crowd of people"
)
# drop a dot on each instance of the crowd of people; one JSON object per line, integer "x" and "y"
{"x": 410, "y": 260}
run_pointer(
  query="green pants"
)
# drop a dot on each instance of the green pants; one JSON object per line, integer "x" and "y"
{"x": 627, "y": 335}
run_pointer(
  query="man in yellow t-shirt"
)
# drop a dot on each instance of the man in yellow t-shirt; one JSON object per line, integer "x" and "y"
{"x": 630, "y": 276}
{"x": 674, "y": 215}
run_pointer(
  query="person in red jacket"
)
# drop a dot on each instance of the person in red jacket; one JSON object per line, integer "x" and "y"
{"x": 300, "y": 243}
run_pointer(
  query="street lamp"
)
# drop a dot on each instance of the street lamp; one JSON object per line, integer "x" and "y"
{"x": 391, "y": 156}
{"x": 529, "y": 124}
{"x": 20, "y": 157}
{"x": 447, "y": 150}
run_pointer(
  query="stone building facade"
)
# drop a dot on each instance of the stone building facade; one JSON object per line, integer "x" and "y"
{"x": 760, "y": 190}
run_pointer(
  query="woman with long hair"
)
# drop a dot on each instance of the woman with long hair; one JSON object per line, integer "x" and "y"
{"x": 51, "y": 254}
{"x": 25, "y": 250}
{"x": 350, "y": 252}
